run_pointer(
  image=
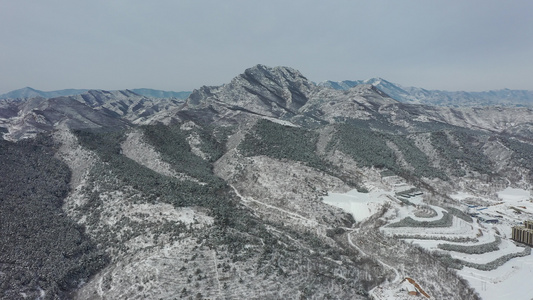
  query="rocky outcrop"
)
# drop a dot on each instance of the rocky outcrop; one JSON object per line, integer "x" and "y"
{"x": 273, "y": 92}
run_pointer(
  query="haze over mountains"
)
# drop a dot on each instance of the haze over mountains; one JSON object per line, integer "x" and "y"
{"x": 224, "y": 194}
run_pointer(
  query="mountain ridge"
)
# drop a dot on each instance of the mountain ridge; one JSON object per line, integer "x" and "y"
{"x": 416, "y": 95}
{"x": 28, "y": 92}
{"x": 285, "y": 94}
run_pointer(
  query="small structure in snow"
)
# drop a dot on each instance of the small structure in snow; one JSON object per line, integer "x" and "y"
{"x": 409, "y": 287}
{"x": 491, "y": 221}
{"x": 412, "y": 288}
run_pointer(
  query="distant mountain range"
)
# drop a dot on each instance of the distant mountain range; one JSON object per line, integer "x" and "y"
{"x": 28, "y": 92}
{"x": 415, "y": 95}
{"x": 161, "y": 94}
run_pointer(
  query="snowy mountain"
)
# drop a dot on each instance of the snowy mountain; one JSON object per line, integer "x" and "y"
{"x": 92, "y": 109}
{"x": 417, "y": 95}
{"x": 263, "y": 90}
{"x": 268, "y": 187}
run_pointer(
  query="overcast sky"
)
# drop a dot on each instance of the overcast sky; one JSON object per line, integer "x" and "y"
{"x": 182, "y": 45}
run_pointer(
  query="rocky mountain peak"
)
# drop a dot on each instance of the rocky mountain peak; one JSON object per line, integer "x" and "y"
{"x": 375, "y": 81}
{"x": 281, "y": 76}
{"x": 200, "y": 95}
{"x": 270, "y": 91}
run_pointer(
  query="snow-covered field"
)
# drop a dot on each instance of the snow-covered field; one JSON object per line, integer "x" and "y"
{"x": 510, "y": 281}
{"x": 516, "y": 195}
{"x": 360, "y": 205}
{"x": 509, "y": 207}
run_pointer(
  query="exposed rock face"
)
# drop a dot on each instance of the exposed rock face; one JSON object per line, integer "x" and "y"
{"x": 273, "y": 92}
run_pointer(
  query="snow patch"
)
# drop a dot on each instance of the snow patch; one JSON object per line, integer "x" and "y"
{"x": 281, "y": 122}
{"x": 511, "y": 194}
{"x": 360, "y": 205}
{"x": 510, "y": 281}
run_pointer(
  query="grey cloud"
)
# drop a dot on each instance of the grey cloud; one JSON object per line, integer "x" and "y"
{"x": 181, "y": 45}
